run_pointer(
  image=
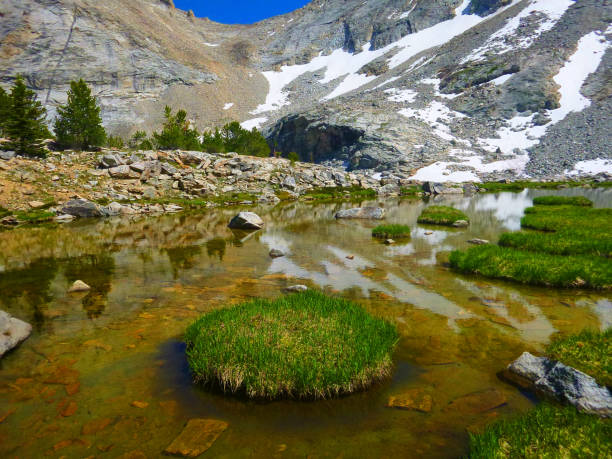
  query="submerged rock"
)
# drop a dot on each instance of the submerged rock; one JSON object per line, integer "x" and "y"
{"x": 12, "y": 332}
{"x": 197, "y": 437}
{"x": 478, "y": 402}
{"x": 373, "y": 213}
{"x": 562, "y": 382}
{"x": 82, "y": 208}
{"x": 275, "y": 253}
{"x": 246, "y": 221}
{"x": 416, "y": 399}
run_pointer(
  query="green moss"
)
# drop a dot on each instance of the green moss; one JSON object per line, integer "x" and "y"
{"x": 4, "y": 212}
{"x": 413, "y": 190}
{"x": 441, "y": 215}
{"x": 334, "y": 193}
{"x": 562, "y": 201}
{"x": 546, "y": 432}
{"x": 496, "y": 187}
{"x": 558, "y": 218}
{"x": 305, "y": 345}
{"x": 534, "y": 267}
{"x": 35, "y": 216}
{"x": 391, "y": 231}
{"x": 589, "y": 351}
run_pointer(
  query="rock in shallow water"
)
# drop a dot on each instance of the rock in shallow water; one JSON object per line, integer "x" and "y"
{"x": 82, "y": 208}
{"x": 415, "y": 399}
{"x": 79, "y": 286}
{"x": 561, "y": 382}
{"x": 275, "y": 253}
{"x": 296, "y": 288}
{"x": 197, "y": 437}
{"x": 12, "y": 332}
{"x": 373, "y": 213}
{"x": 246, "y": 221}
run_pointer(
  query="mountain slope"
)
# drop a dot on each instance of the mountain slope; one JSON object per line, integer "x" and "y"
{"x": 427, "y": 89}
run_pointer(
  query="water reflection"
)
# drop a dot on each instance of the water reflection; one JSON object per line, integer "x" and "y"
{"x": 96, "y": 271}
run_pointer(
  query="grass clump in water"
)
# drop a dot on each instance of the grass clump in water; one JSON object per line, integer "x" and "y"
{"x": 579, "y": 242}
{"x": 441, "y": 215}
{"x": 304, "y": 345}
{"x": 557, "y": 218}
{"x": 534, "y": 268}
{"x": 562, "y": 201}
{"x": 589, "y": 351}
{"x": 391, "y": 231}
{"x": 548, "y": 431}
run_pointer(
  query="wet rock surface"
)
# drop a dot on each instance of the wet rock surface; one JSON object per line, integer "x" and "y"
{"x": 562, "y": 382}
{"x": 12, "y": 332}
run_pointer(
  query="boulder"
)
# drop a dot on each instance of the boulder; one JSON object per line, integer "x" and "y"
{"x": 373, "y": 213}
{"x": 562, "y": 382}
{"x": 79, "y": 286}
{"x": 390, "y": 189}
{"x": 275, "y": 253}
{"x": 36, "y": 204}
{"x": 289, "y": 183}
{"x": 246, "y": 221}
{"x": 12, "y": 332}
{"x": 122, "y": 172}
{"x": 296, "y": 289}
{"x": 109, "y": 161}
{"x": 461, "y": 224}
{"x": 7, "y": 155}
{"x": 82, "y": 208}
{"x": 439, "y": 188}
{"x": 477, "y": 241}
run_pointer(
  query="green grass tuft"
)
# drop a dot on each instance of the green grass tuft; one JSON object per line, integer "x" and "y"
{"x": 562, "y": 201}
{"x": 556, "y": 218}
{"x": 534, "y": 268}
{"x": 441, "y": 215}
{"x": 589, "y": 351}
{"x": 305, "y": 345}
{"x": 35, "y": 216}
{"x": 334, "y": 193}
{"x": 566, "y": 242}
{"x": 547, "y": 431}
{"x": 391, "y": 231}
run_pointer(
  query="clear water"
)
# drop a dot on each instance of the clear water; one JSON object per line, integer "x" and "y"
{"x": 68, "y": 391}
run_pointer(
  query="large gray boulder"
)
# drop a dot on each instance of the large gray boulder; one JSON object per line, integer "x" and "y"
{"x": 372, "y": 213}
{"x": 82, "y": 208}
{"x": 246, "y": 221}
{"x": 562, "y": 382}
{"x": 7, "y": 155}
{"x": 122, "y": 172}
{"x": 108, "y": 161}
{"x": 12, "y": 332}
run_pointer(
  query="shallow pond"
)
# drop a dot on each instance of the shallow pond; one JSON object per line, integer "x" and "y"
{"x": 104, "y": 373}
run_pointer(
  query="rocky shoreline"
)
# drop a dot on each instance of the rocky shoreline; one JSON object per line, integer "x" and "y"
{"x": 70, "y": 185}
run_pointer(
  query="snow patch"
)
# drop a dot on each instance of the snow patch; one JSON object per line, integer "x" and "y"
{"x": 592, "y": 167}
{"x": 401, "y": 95}
{"x": 253, "y": 123}
{"x": 434, "y": 114}
{"x": 521, "y": 132}
{"x": 228, "y": 106}
{"x": 501, "y": 80}
{"x": 551, "y": 10}
{"x": 212, "y": 45}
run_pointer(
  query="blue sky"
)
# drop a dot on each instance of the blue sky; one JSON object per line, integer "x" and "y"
{"x": 239, "y": 11}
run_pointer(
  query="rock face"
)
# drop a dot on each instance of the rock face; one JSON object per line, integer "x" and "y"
{"x": 563, "y": 383}
{"x": 82, "y": 208}
{"x": 370, "y": 213}
{"x": 246, "y": 221}
{"x": 12, "y": 332}
{"x": 422, "y": 83}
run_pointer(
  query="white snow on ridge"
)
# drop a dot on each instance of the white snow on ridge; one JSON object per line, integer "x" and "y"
{"x": 253, "y": 123}
{"x": 552, "y": 10}
{"x": 501, "y": 80}
{"x": 401, "y": 95}
{"x": 343, "y": 64}
{"x": 440, "y": 171}
{"x": 522, "y": 133}
{"x": 228, "y": 106}
{"x": 591, "y": 167}
{"x": 433, "y": 115}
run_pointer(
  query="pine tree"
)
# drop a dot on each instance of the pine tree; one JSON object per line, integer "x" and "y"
{"x": 78, "y": 124}
{"x": 5, "y": 109}
{"x": 176, "y": 132}
{"x": 25, "y": 121}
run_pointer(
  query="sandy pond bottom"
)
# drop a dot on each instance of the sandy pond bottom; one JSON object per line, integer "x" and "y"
{"x": 104, "y": 373}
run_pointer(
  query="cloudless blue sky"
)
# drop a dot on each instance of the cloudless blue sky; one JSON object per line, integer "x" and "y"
{"x": 239, "y": 11}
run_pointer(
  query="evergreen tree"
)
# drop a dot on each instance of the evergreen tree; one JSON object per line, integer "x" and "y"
{"x": 239, "y": 140}
{"x": 25, "y": 121}
{"x": 78, "y": 124}
{"x": 5, "y": 109}
{"x": 176, "y": 133}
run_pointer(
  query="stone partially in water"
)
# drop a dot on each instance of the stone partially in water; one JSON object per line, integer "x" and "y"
{"x": 562, "y": 382}
{"x": 79, "y": 286}
{"x": 415, "y": 399}
{"x": 371, "y": 213}
{"x": 296, "y": 288}
{"x": 275, "y": 253}
{"x": 246, "y": 221}
{"x": 477, "y": 241}
{"x": 82, "y": 208}
{"x": 478, "y": 402}
{"x": 12, "y": 332}
{"x": 197, "y": 437}
{"x": 461, "y": 224}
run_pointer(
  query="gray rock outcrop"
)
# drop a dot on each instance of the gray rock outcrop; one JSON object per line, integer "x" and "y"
{"x": 366, "y": 213}
{"x": 82, "y": 208}
{"x": 562, "y": 382}
{"x": 12, "y": 332}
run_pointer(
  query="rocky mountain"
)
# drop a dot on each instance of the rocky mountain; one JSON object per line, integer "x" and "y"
{"x": 449, "y": 90}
